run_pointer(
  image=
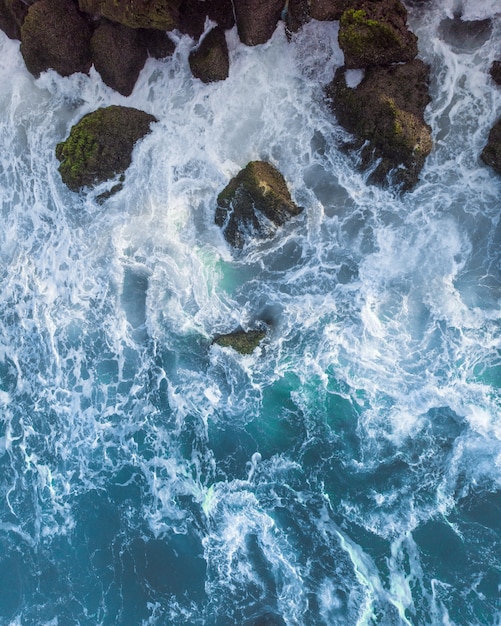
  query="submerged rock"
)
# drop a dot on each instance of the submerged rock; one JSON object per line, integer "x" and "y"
{"x": 495, "y": 72}
{"x": 491, "y": 154}
{"x": 376, "y": 33}
{"x": 254, "y": 203}
{"x": 118, "y": 54}
{"x": 160, "y": 14}
{"x": 210, "y": 62}
{"x": 257, "y": 19}
{"x": 100, "y": 145}
{"x": 55, "y": 35}
{"x": 464, "y": 35}
{"x": 386, "y": 110}
{"x": 242, "y": 341}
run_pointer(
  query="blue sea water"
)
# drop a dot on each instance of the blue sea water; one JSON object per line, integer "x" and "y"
{"x": 348, "y": 472}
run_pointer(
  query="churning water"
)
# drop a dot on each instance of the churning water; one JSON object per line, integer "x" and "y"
{"x": 346, "y": 473}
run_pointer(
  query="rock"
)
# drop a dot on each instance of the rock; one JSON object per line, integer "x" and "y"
{"x": 8, "y": 21}
{"x": 254, "y": 203}
{"x": 327, "y": 10}
{"x": 159, "y": 14}
{"x": 221, "y": 12}
{"x": 192, "y": 14}
{"x": 55, "y": 35}
{"x": 387, "y": 110}
{"x": 257, "y": 19}
{"x": 495, "y": 72}
{"x": 298, "y": 14}
{"x": 100, "y": 145}
{"x": 242, "y": 341}
{"x": 210, "y": 61}
{"x": 118, "y": 54}
{"x": 376, "y": 34}
{"x": 491, "y": 154}
{"x": 157, "y": 43}
{"x": 464, "y": 35}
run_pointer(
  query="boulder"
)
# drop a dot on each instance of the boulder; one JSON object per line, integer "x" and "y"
{"x": 159, "y": 14}
{"x": 376, "y": 33}
{"x": 100, "y": 145}
{"x": 210, "y": 61}
{"x": 254, "y": 203}
{"x": 495, "y": 72}
{"x": 385, "y": 112}
{"x": 221, "y": 12}
{"x": 55, "y": 35}
{"x": 299, "y": 12}
{"x": 118, "y": 54}
{"x": 491, "y": 154}
{"x": 242, "y": 341}
{"x": 192, "y": 14}
{"x": 257, "y": 19}
{"x": 157, "y": 42}
{"x": 8, "y": 21}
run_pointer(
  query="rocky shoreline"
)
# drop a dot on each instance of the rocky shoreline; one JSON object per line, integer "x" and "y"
{"x": 379, "y": 96}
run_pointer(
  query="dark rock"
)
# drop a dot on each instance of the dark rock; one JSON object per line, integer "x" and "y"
{"x": 495, "y": 72}
{"x": 118, "y": 54}
{"x": 100, "y": 145}
{"x": 254, "y": 203}
{"x": 464, "y": 35}
{"x": 210, "y": 61}
{"x": 386, "y": 110}
{"x": 192, "y": 14}
{"x": 298, "y": 14}
{"x": 157, "y": 42}
{"x": 491, "y": 154}
{"x": 55, "y": 35}
{"x": 8, "y": 21}
{"x": 242, "y": 341}
{"x": 327, "y": 10}
{"x": 257, "y": 19}
{"x": 160, "y": 14}
{"x": 221, "y": 12}
{"x": 19, "y": 8}
{"x": 376, "y": 33}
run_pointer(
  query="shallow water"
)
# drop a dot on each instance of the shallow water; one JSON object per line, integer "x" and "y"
{"x": 348, "y": 472}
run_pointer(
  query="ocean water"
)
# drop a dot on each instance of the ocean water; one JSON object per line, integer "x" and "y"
{"x": 348, "y": 472}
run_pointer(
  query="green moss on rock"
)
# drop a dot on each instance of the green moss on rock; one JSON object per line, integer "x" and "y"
{"x": 376, "y": 34}
{"x": 244, "y": 342}
{"x": 159, "y": 14}
{"x": 254, "y": 203}
{"x": 100, "y": 145}
{"x": 491, "y": 154}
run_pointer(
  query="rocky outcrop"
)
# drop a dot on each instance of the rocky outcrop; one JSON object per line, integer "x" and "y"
{"x": 118, "y": 54}
{"x": 376, "y": 33}
{"x": 159, "y": 14}
{"x": 491, "y": 154}
{"x": 495, "y": 72}
{"x": 254, "y": 203}
{"x": 242, "y": 341}
{"x": 386, "y": 113}
{"x": 100, "y": 145}
{"x": 55, "y": 35}
{"x": 257, "y": 19}
{"x": 210, "y": 61}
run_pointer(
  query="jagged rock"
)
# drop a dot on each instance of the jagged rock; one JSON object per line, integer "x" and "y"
{"x": 100, "y": 145}
{"x": 386, "y": 110}
{"x": 257, "y": 19}
{"x": 254, "y": 203}
{"x": 210, "y": 61}
{"x": 376, "y": 33}
{"x": 157, "y": 42}
{"x": 55, "y": 35}
{"x": 118, "y": 54}
{"x": 160, "y": 14}
{"x": 495, "y": 72}
{"x": 491, "y": 154}
{"x": 242, "y": 341}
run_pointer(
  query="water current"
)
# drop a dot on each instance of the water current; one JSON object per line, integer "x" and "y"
{"x": 348, "y": 472}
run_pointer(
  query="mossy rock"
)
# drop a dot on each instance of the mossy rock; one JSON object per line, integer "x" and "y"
{"x": 254, "y": 203}
{"x": 376, "y": 34}
{"x": 386, "y": 113}
{"x": 491, "y": 154}
{"x": 244, "y": 342}
{"x": 495, "y": 72}
{"x": 159, "y": 14}
{"x": 210, "y": 61}
{"x": 55, "y": 35}
{"x": 118, "y": 54}
{"x": 100, "y": 145}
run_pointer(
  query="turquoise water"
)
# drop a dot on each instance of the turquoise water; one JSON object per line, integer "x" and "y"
{"x": 346, "y": 473}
